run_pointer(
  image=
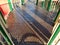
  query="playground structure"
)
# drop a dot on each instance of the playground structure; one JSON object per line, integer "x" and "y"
{"x": 48, "y": 5}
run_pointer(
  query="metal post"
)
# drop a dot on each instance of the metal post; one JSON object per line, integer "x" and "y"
{"x": 46, "y": 4}
{"x": 57, "y": 15}
{"x": 54, "y": 35}
{"x": 49, "y": 4}
{"x": 43, "y": 3}
{"x": 22, "y": 2}
{"x": 36, "y": 2}
{"x": 10, "y": 5}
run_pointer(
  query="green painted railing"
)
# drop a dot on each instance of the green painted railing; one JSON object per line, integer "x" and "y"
{"x": 22, "y": 2}
{"x": 5, "y": 35}
{"x": 3, "y": 26}
{"x": 10, "y": 5}
{"x": 3, "y": 20}
{"x": 49, "y": 4}
{"x": 53, "y": 5}
{"x": 36, "y": 2}
{"x": 2, "y": 17}
{"x": 3, "y": 31}
{"x": 54, "y": 35}
{"x": 42, "y": 3}
{"x": 56, "y": 29}
{"x": 57, "y": 15}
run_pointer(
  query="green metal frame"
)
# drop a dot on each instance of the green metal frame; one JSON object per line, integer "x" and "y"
{"x": 5, "y": 34}
{"x": 57, "y": 15}
{"x": 43, "y": 4}
{"x": 10, "y": 5}
{"x": 46, "y": 4}
{"x": 22, "y": 2}
{"x": 49, "y": 4}
{"x": 54, "y": 35}
{"x": 3, "y": 20}
{"x": 2, "y": 17}
{"x": 3, "y": 30}
{"x": 36, "y": 2}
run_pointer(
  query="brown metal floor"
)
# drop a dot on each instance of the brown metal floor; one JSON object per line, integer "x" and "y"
{"x": 18, "y": 28}
{"x": 29, "y": 23}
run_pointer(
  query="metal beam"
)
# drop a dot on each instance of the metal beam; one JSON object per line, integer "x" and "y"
{"x": 49, "y": 4}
